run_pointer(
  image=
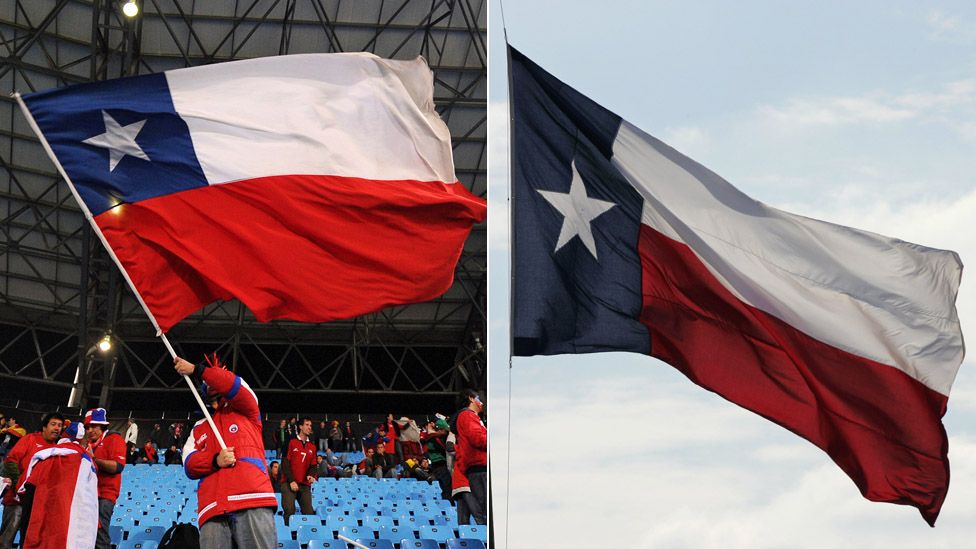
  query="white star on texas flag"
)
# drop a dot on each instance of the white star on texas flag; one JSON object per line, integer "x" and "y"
{"x": 578, "y": 211}
{"x": 119, "y": 140}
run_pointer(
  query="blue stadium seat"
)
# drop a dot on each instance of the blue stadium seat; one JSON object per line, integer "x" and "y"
{"x": 338, "y": 521}
{"x": 326, "y": 544}
{"x": 465, "y": 544}
{"x": 138, "y": 544}
{"x": 478, "y": 531}
{"x": 288, "y": 544}
{"x": 115, "y": 533}
{"x": 302, "y": 520}
{"x": 377, "y": 522}
{"x": 439, "y": 533}
{"x": 153, "y": 533}
{"x": 419, "y": 544}
{"x": 441, "y": 520}
{"x": 355, "y": 532}
{"x": 376, "y": 543}
{"x": 309, "y": 532}
{"x": 283, "y": 534}
{"x": 397, "y": 532}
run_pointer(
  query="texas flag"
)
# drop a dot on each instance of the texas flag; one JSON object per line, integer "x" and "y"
{"x": 311, "y": 187}
{"x": 847, "y": 338}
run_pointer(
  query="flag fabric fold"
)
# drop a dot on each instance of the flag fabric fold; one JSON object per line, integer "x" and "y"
{"x": 848, "y": 338}
{"x": 310, "y": 187}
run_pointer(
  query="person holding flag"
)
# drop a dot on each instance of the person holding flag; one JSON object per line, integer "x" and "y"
{"x": 236, "y": 503}
{"x": 59, "y": 495}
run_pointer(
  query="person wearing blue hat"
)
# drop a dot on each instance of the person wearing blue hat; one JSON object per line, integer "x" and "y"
{"x": 108, "y": 452}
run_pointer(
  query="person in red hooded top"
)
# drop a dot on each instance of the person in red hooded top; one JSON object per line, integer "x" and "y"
{"x": 14, "y": 467}
{"x": 108, "y": 452}
{"x": 472, "y": 454}
{"x": 235, "y": 501}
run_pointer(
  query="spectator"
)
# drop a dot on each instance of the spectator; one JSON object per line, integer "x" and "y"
{"x": 472, "y": 455}
{"x": 435, "y": 438}
{"x": 16, "y": 464}
{"x": 157, "y": 437}
{"x": 132, "y": 432}
{"x": 292, "y": 429}
{"x": 108, "y": 453}
{"x": 274, "y": 473}
{"x": 322, "y": 437}
{"x": 334, "y": 466}
{"x": 374, "y": 437}
{"x": 11, "y": 434}
{"x": 59, "y": 495}
{"x": 335, "y": 436}
{"x": 236, "y": 504}
{"x": 300, "y": 472}
{"x": 411, "y": 451}
{"x": 131, "y": 453}
{"x": 368, "y": 465}
{"x": 349, "y": 437}
{"x": 391, "y": 432}
{"x": 387, "y": 462}
{"x": 149, "y": 454}
{"x": 177, "y": 434}
{"x": 174, "y": 456}
{"x": 281, "y": 439}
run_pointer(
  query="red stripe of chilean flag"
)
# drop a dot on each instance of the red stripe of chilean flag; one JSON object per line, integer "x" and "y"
{"x": 310, "y": 187}
{"x": 848, "y": 338}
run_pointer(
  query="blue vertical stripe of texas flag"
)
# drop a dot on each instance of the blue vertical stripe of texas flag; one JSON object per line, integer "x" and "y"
{"x": 567, "y": 301}
{"x": 68, "y": 116}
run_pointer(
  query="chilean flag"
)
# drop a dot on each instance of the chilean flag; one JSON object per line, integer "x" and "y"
{"x": 311, "y": 187}
{"x": 847, "y": 338}
{"x": 60, "y": 498}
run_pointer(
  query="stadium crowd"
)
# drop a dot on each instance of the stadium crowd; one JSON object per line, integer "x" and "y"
{"x": 69, "y": 472}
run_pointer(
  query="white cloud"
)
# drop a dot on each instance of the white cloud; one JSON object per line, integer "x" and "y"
{"x": 953, "y": 104}
{"x": 945, "y": 27}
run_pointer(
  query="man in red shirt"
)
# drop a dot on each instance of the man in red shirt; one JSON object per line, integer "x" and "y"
{"x": 108, "y": 452}
{"x": 14, "y": 467}
{"x": 301, "y": 470}
{"x": 472, "y": 454}
{"x": 235, "y": 501}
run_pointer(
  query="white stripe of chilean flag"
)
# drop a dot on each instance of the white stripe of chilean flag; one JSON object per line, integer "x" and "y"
{"x": 310, "y": 187}
{"x": 848, "y": 338}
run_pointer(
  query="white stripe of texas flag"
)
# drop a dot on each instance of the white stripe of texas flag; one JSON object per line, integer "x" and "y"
{"x": 874, "y": 296}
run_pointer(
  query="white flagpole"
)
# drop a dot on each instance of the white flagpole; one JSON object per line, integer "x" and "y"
{"x": 351, "y": 542}
{"x": 111, "y": 253}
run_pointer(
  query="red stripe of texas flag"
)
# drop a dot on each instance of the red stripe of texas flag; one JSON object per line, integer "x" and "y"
{"x": 881, "y": 426}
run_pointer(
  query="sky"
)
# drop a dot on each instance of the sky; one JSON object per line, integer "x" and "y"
{"x": 860, "y": 113}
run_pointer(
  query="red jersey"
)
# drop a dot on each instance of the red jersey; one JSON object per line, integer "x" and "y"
{"x": 301, "y": 459}
{"x": 21, "y": 454}
{"x": 111, "y": 446}
{"x": 246, "y": 485}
